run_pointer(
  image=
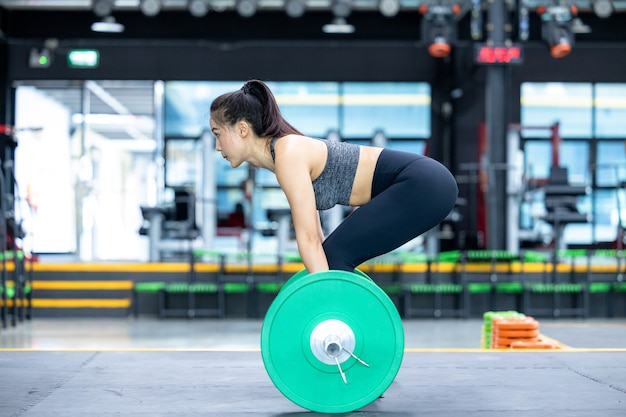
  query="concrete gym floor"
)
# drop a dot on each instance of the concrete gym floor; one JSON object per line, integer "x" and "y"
{"x": 175, "y": 368}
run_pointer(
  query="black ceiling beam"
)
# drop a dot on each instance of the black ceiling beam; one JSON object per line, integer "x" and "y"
{"x": 266, "y": 25}
{"x": 214, "y": 26}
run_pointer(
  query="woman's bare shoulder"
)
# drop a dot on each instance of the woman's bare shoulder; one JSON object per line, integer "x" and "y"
{"x": 298, "y": 146}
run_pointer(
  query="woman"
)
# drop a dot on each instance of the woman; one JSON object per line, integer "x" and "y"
{"x": 400, "y": 195}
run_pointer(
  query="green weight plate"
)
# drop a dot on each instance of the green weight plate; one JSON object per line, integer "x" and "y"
{"x": 361, "y": 273}
{"x": 304, "y": 273}
{"x": 300, "y": 329}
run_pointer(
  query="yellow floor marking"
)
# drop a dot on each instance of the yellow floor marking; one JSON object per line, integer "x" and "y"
{"x": 554, "y": 342}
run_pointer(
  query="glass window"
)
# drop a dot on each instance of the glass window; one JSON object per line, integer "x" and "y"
{"x": 538, "y": 158}
{"x": 569, "y": 104}
{"x": 84, "y": 175}
{"x": 586, "y": 112}
{"x": 611, "y": 162}
{"x": 227, "y": 199}
{"x": 400, "y": 110}
{"x": 188, "y": 103}
{"x": 573, "y": 155}
{"x": 414, "y": 146}
{"x": 610, "y": 110}
{"x": 265, "y": 178}
{"x": 44, "y": 171}
{"x": 225, "y": 174}
{"x": 182, "y": 161}
{"x": 603, "y": 205}
{"x": 311, "y": 107}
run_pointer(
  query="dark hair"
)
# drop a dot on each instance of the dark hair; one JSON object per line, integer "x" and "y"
{"x": 255, "y": 104}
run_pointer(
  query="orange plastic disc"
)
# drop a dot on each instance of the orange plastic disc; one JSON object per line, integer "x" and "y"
{"x": 439, "y": 49}
{"x": 560, "y": 50}
{"x": 538, "y": 344}
{"x": 523, "y": 323}
{"x": 517, "y": 333}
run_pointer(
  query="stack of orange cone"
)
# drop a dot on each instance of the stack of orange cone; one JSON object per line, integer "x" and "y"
{"x": 517, "y": 333}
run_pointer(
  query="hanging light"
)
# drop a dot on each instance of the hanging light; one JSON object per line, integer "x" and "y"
{"x": 198, "y": 8}
{"x": 438, "y": 30}
{"x": 246, "y": 8}
{"x": 102, "y": 8}
{"x": 341, "y": 9}
{"x": 107, "y": 25}
{"x": 295, "y": 8}
{"x": 150, "y": 7}
{"x": 389, "y": 8}
{"x": 559, "y": 37}
{"x": 339, "y": 25}
{"x": 603, "y": 8}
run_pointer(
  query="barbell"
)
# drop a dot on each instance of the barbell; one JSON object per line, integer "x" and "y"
{"x": 332, "y": 341}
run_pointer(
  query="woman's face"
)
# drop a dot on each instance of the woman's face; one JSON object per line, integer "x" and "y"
{"x": 228, "y": 143}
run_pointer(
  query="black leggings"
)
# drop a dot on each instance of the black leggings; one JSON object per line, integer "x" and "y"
{"x": 411, "y": 194}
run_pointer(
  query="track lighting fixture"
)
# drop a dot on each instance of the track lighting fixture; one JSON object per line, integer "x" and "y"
{"x": 295, "y": 8}
{"x": 102, "y": 8}
{"x": 198, "y": 8}
{"x": 246, "y": 8}
{"x": 107, "y": 25}
{"x": 603, "y": 8}
{"x": 439, "y": 29}
{"x": 559, "y": 37}
{"x": 341, "y": 9}
{"x": 389, "y": 8}
{"x": 150, "y": 7}
{"x": 557, "y": 28}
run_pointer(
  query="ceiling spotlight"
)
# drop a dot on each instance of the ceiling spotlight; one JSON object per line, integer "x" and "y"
{"x": 295, "y": 8}
{"x": 602, "y": 8}
{"x": 107, "y": 25}
{"x": 338, "y": 25}
{"x": 389, "y": 8}
{"x": 341, "y": 8}
{"x": 438, "y": 33}
{"x": 198, "y": 8}
{"x": 559, "y": 37}
{"x": 246, "y": 8}
{"x": 150, "y": 7}
{"x": 440, "y": 47}
{"x": 102, "y": 8}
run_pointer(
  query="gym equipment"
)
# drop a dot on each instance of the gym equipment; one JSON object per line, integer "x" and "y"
{"x": 332, "y": 341}
{"x": 302, "y": 273}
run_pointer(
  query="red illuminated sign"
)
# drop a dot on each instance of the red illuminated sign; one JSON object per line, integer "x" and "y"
{"x": 484, "y": 54}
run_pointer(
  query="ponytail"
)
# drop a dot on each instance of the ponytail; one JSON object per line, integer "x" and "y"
{"x": 256, "y": 104}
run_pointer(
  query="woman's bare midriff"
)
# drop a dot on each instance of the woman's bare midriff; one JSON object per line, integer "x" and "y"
{"x": 362, "y": 187}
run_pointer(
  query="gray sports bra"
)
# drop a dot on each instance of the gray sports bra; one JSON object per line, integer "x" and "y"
{"x": 334, "y": 185}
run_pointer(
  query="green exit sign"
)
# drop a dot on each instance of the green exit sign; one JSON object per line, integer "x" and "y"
{"x": 83, "y": 58}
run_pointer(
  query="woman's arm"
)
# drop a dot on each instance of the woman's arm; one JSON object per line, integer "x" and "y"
{"x": 294, "y": 176}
